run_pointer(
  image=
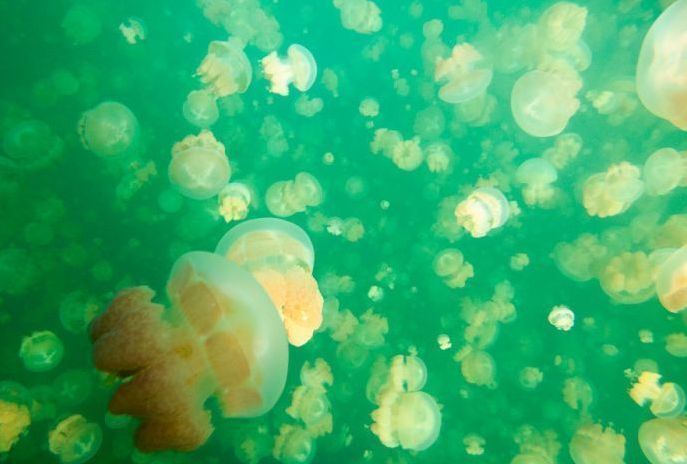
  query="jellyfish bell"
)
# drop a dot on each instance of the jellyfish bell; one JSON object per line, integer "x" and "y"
{"x": 75, "y": 440}
{"x": 109, "y": 129}
{"x": 466, "y": 74}
{"x": 592, "y": 444}
{"x": 485, "y": 209}
{"x": 664, "y": 170}
{"x": 298, "y": 68}
{"x": 200, "y": 108}
{"x": 411, "y": 420}
{"x": 664, "y": 440}
{"x": 225, "y": 70}
{"x": 671, "y": 281}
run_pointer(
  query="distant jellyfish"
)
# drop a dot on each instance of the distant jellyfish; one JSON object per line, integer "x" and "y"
{"x": 662, "y": 66}
{"x": 221, "y": 337}
{"x": 225, "y": 70}
{"x": 286, "y": 198}
{"x": 663, "y": 440}
{"x": 628, "y": 278}
{"x": 562, "y": 318}
{"x": 582, "y": 259}
{"x": 543, "y": 102}
{"x": 439, "y": 157}
{"x": 671, "y": 281}
{"x": 81, "y": 24}
{"x": 485, "y": 209}
{"x": 200, "y": 108}
{"x": 199, "y": 168}
{"x": 30, "y": 145}
{"x": 298, "y": 68}
{"x": 76, "y": 311}
{"x": 133, "y": 30}
{"x": 361, "y": 16}
{"x": 308, "y": 189}
{"x": 465, "y": 75}
{"x": 280, "y": 256}
{"x": 450, "y": 265}
{"x": 109, "y": 129}
{"x": 411, "y": 420}
{"x": 234, "y": 201}
{"x": 407, "y": 154}
{"x": 665, "y": 399}
{"x": 592, "y": 444}
{"x": 293, "y": 445}
{"x": 41, "y": 351}
{"x": 664, "y": 170}
{"x": 310, "y": 403}
{"x": 612, "y": 192}
{"x": 561, "y": 26}
{"x": 478, "y": 368}
{"x": 537, "y": 175}
{"x": 75, "y": 440}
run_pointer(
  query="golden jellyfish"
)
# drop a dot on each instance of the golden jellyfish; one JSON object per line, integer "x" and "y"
{"x": 411, "y": 420}
{"x": 582, "y": 259}
{"x": 465, "y": 75}
{"x": 109, "y": 129}
{"x": 298, "y": 68}
{"x": 309, "y": 403}
{"x": 293, "y": 445}
{"x": 629, "y": 278}
{"x": 663, "y": 440}
{"x": 484, "y": 210}
{"x": 288, "y": 197}
{"x": 361, "y": 16}
{"x": 234, "y": 201}
{"x": 450, "y": 265}
{"x": 537, "y": 175}
{"x": 221, "y": 337}
{"x": 664, "y": 170}
{"x": 199, "y": 167}
{"x": 671, "y": 281}
{"x": 477, "y": 367}
{"x": 439, "y": 157}
{"x": 280, "y": 256}
{"x": 662, "y": 66}
{"x": 543, "y": 102}
{"x": 15, "y": 414}
{"x": 561, "y": 26}
{"x": 612, "y": 192}
{"x": 225, "y": 70}
{"x": 75, "y": 440}
{"x": 592, "y": 444}
{"x": 200, "y": 108}
{"x": 665, "y": 399}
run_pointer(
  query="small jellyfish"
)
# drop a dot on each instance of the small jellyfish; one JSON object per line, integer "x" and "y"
{"x": 478, "y": 368}
{"x": 629, "y": 278}
{"x": 465, "y": 75}
{"x": 81, "y": 24}
{"x": 592, "y": 444}
{"x": 407, "y": 154}
{"x": 666, "y": 400}
{"x": 582, "y": 259}
{"x": 200, "y": 108}
{"x": 41, "y": 351}
{"x": 109, "y": 129}
{"x": 293, "y": 445}
{"x": 543, "y": 102}
{"x": 298, "y": 68}
{"x": 15, "y": 414}
{"x": 199, "y": 167}
{"x": 664, "y": 170}
{"x": 76, "y": 312}
{"x": 537, "y": 176}
{"x": 234, "y": 201}
{"x": 309, "y": 402}
{"x": 288, "y": 197}
{"x": 562, "y": 318}
{"x": 75, "y": 440}
{"x": 450, "y": 265}
{"x": 612, "y": 192}
{"x": 671, "y": 281}
{"x": 411, "y": 420}
{"x": 485, "y": 209}
{"x": 663, "y": 440}
{"x": 30, "y": 145}
{"x": 133, "y": 30}
{"x": 561, "y": 26}
{"x": 225, "y": 70}
{"x": 439, "y": 157}
{"x": 662, "y": 66}
{"x": 222, "y": 337}
{"x": 361, "y": 16}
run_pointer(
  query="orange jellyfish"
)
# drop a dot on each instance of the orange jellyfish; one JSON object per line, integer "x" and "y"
{"x": 221, "y": 338}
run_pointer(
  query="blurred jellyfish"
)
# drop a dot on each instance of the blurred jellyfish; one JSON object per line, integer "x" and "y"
{"x": 286, "y": 198}
{"x": 30, "y": 145}
{"x": 629, "y": 278}
{"x": 411, "y": 420}
{"x": 664, "y": 170}
{"x": 543, "y": 102}
{"x": 308, "y": 107}
{"x": 225, "y": 70}
{"x": 439, "y": 157}
{"x": 75, "y": 440}
{"x": 18, "y": 271}
{"x": 477, "y": 367}
{"x": 663, "y": 440}
{"x": 222, "y": 337}
{"x": 76, "y": 311}
{"x": 582, "y": 259}
{"x": 15, "y": 415}
{"x": 666, "y": 400}
{"x": 662, "y": 66}
{"x": 234, "y": 201}
{"x": 361, "y": 16}
{"x": 309, "y": 402}
{"x": 561, "y": 26}
{"x": 407, "y": 154}
{"x": 612, "y": 192}
{"x": 200, "y": 108}
{"x": 298, "y": 68}
{"x": 81, "y": 24}
{"x": 671, "y": 281}
{"x": 485, "y": 209}
{"x": 592, "y": 444}
{"x": 41, "y": 351}
{"x": 199, "y": 167}
{"x": 465, "y": 75}
{"x": 450, "y": 265}
{"x": 109, "y": 129}
{"x": 369, "y": 107}
{"x": 564, "y": 151}
{"x": 133, "y": 30}
{"x": 293, "y": 445}
{"x": 537, "y": 176}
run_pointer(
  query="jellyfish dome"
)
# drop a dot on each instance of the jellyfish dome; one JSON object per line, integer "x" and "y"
{"x": 294, "y": 445}
{"x": 30, "y": 145}
{"x": 225, "y": 70}
{"x": 411, "y": 420}
{"x": 662, "y": 66}
{"x": 221, "y": 337}
{"x": 592, "y": 444}
{"x": 612, "y": 192}
{"x": 561, "y": 26}
{"x": 664, "y": 441}
{"x": 200, "y": 108}
{"x": 466, "y": 74}
{"x": 536, "y": 175}
{"x": 664, "y": 170}
{"x": 199, "y": 168}
{"x": 671, "y": 281}
{"x": 629, "y": 278}
{"x": 483, "y": 210}
{"x": 109, "y": 129}
{"x": 543, "y": 102}
{"x": 75, "y": 440}
{"x": 298, "y": 68}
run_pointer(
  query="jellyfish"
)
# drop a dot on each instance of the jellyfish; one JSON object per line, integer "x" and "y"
{"x": 225, "y": 70}
{"x": 450, "y": 265}
{"x": 309, "y": 403}
{"x": 612, "y": 192}
{"x": 582, "y": 259}
{"x": 664, "y": 170}
{"x": 629, "y": 278}
{"x": 293, "y": 445}
{"x": 439, "y": 157}
{"x": 562, "y": 318}
{"x": 671, "y": 281}
{"x": 465, "y": 75}
{"x": 537, "y": 176}
{"x": 676, "y": 345}
{"x": 133, "y": 30}
{"x": 81, "y": 24}
{"x": 285, "y": 198}
{"x": 665, "y": 399}
{"x": 30, "y": 145}
{"x": 662, "y": 66}
{"x": 407, "y": 154}
{"x": 280, "y": 256}
{"x": 41, "y": 351}
{"x": 592, "y": 444}
{"x": 75, "y": 440}
{"x": 477, "y": 367}
{"x": 221, "y": 337}
{"x": 199, "y": 167}
{"x": 411, "y": 420}
{"x": 76, "y": 311}
{"x": 543, "y": 102}
{"x": 298, "y": 68}
{"x": 561, "y": 26}
{"x": 15, "y": 415}
{"x": 564, "y": 151}
{"x": 664, "y": 440}
{"x": 109, "y": 129}
{"x": 200, "y": 108}
{"x": 484, "y": 210}
{"x": 361, "y": 16}
{"x": 234, "y": 201}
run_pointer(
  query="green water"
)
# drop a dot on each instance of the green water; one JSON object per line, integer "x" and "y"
{"x": 76, "y": 228}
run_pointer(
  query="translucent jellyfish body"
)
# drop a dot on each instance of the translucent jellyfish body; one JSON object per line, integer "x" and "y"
{"x": 543, "y": 102}
{"x": 30, "y": 145}
{"x": 309, "y": 402}
{"x": 234, "y": 201}
{"x": 665, "y": 399}
{"x": 664, "y": 170}
{"x": 15, "y": 414}
{"x": 465, "y": 75}
{"x": 664, "y": 441}
{"x": 109, "y": 129}
{"x": 592, "y": 444}
{"x": 662, "y": 66}
{"x": 411, "y": 420}
{"x": 629, "y": 278}
{"x": 293, "y": 445}
{"x": 485, "y": 209}
{"x": 41, "y": 351}
{"x": 537, "y": 176}
{"x": 225, "y": 70}
{"x": 361, "y": 16}
{"x": 288, "y": 197}
{"x": 612, "y": 192}
{"x": 222, "y": 337}
{"x": 582, "y": 259}
{"x": 671, "y": 281}
{"x": 75, "y": 440}
{"x": 561, "y": 26}
{"x": 298, "y": 68}
{"x": 200, "y": 108}
{"x": 199, "y": 168}
{"x": 450, "y": 265}
{"x": 280, "y": 256}
{"x": 478, "y": 368}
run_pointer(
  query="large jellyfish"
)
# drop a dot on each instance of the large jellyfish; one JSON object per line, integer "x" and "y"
{"x": 199, "y": 167}
{"x": 298, "y": 68}
{"x": 665, "y": 399}
{"x": 671, "y": 281}
{"x": 465, "y": 75}
{"x": 592, "y": 444}
{"x": 225, "y": 70}
{"x": 662, "y": 66}
{"x": 221, "y": 337}
{"x": 664, "y": 441}
{"x": 30, "y": 145}
{"x": 612, "y": 192}
{"x": 75, "y": 440}
{"x": 664, "y": 170}
{"x": 280, "y": 256}
{"x": 485, "y": 209}
{"x": 109, "y": 129}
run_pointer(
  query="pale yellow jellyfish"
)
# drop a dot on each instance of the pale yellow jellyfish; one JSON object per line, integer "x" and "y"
{"x": 439, "y": 157}
{"x": 288, "y": 197}
{"x": 564, "y": 151}
{"x": 75, "y": 440}
{"x": 676, "y": 345}
{"x": 612, "y": 192}
{"x": 671, "y": 281}
{"x": 293, "y": 445}
{"x": 485, "y": 209}
{"x": 664, "y": 170}
{"x": 407, "y": 155}
{"x": 536, "y": 447}
{"x": 537, "y": 176}
{"x": 664, "y": 441}
{"x": 592, "y": 444}
{"x": 629, "y": 278}
{"x": 309, "y": 402}
{"x": 225, "y": 70}
{"x": 308, "y": 189}
{"x": 665, "y": 399}
{"x": 361, "y": 16}
{"x": 200, "y": 108}
{"x": 15, "y": 419}
{"x": 450, "y": 265}
{"x": 109, "y": 129}
{"x": 543, "y": 102}
{"x": 133, "y": 30}
{"x": 561, "y": 26}
{"x": 411, "y": 420}
{"x": 477, "y": 367}
{"x": 199, "y": 167}
{"x": 234, "y": 201}
{"x": 662, "y": 66}
{"x": 298, "y": 68}
{"x": 582, "y": 259}
{"x": 465, "y": 75}
{"x": 578, "y": 394}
